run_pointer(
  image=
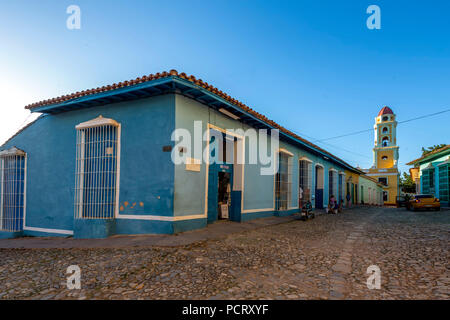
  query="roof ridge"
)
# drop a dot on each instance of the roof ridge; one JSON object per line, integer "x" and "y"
{"x": 429, "y": 154}
{"x": 22, "y": 129}
{"x": 190, "y": 78}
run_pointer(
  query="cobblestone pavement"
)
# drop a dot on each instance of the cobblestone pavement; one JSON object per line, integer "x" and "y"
{"x": 324, "y": 258}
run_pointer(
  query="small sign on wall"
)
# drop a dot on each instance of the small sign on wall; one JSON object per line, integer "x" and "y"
{"x": 192, "y": 164}
{"x": 224, "y": 211}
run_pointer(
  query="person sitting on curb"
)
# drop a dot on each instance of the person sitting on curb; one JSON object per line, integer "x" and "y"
{"x": 332, "y": 205}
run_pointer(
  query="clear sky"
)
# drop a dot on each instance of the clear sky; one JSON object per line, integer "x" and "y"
{"x": 312, "y": 66}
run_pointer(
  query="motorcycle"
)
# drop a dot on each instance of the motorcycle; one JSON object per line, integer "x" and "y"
{"x": 307, "y": 212}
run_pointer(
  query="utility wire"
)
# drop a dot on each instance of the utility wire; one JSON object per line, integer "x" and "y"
{"x": 332, "y": 145}
{"x": 321, "y": 141}
{"x": 368, "y": 130}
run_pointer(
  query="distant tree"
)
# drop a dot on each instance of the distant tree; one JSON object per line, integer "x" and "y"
{"x": 425, "y": 151}
{"x": 407, "y": 184}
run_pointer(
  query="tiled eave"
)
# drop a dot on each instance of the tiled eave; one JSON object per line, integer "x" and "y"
{"x": 430, "y": 156}
{"x": 202, "y": 93}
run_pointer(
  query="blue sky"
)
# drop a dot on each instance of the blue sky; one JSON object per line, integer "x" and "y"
{"x": 312, "y": 66}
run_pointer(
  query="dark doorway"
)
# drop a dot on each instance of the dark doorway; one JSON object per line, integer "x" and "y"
{"x": 224, "y": 195}
{"x": 319, "y": 187}
{"x": 220, "y": 184}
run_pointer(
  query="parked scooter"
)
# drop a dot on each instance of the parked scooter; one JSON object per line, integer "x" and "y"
{"x": 307, "y": 212}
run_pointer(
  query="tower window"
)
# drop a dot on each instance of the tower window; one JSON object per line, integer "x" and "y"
{"x": 383, "y": 180}
{"x": 385, "y": 142}
{"x": 385, "y": 130}
{"x": 385, "y": 118}
{"x": 384, "y": 158}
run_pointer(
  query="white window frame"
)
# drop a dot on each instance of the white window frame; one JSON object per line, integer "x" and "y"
{"x": 335, "y": 184}
{"x": 12, "y": 152}
{"x": 98, "y": 123}
{"x": 309, "y": 166}
{"x": 322, "y": 183}
{"x": 290, "y": 158}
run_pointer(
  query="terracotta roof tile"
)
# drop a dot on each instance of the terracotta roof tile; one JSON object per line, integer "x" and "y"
{"x": 429, "y": 154}
{"x": 385, "y": 110}
{"x": 193, "y": 79}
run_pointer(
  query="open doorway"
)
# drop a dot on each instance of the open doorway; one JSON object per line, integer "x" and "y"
{"x": 319, "y": 187}
{"x": 224, "y": 177}
{"x": 224, "y": 195}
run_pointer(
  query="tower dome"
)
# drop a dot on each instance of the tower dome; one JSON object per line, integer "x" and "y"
{"x": 385, "y": 110}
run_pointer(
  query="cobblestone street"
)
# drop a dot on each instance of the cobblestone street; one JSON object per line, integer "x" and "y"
{"x": 323, "y": 258}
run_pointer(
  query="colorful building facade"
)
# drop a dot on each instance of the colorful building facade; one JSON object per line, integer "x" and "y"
{"x": 385, "y": 155}
{"x": 434, "y": 174}
{"x": 351, "y": 187}
{"x": 371, "y": 191}
{"x": 415, "y": 176}
{"x": 101, "y": 162}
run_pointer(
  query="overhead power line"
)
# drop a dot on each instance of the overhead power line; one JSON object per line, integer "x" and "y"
{"x": 368, "y": 130}
{"x": 332, "y": 145}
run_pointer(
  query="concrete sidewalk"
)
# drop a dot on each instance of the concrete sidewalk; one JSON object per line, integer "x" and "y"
{"x": 217, "y": 230}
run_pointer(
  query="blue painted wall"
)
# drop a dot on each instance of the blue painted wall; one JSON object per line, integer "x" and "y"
{"x": 146, "y": 172}
{"x": 435, "y": 163}
{"x": 150, "y": 185}
{"x": 258, "y": 190}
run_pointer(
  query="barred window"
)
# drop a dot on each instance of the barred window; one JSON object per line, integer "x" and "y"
{"x": 97, "y": 159}
{"x": 12, "y": 189}
{"x": 332, "y": 183}
{"x": 340, "y": 187}
{"x": 305, "y": 182}
{"x": 444, "y": 182}
{"x": 283, "y": 181}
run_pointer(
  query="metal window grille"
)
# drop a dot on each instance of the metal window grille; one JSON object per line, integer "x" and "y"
{"x": 428, "y": 181}
{"x": 96, "y": 169}
{"x": 283, "y": 181}
{"x": 12, "y": 190}
{"x": 444, "y": 183}
{"x": 332, "y": 183}
{"x": 431, "y": 180}
{"x": 335, "y": 184}
{"x": 319, "y": 177}
{"x": 341, "y": 196}
{"x": 305, "y": 181}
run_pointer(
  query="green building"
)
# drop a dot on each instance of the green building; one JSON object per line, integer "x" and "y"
{"x": 434, "y": 173}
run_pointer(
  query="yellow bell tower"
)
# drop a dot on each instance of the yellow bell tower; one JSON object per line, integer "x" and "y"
{"x": 385, "y": 155}
{"x": 385, "y": 152}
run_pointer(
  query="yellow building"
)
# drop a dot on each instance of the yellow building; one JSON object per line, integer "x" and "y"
{"x": 351, "y": 188}
{"x": 415, "y": 176}
{"x": 385, "y": 155}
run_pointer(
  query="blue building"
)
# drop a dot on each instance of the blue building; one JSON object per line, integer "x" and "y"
{"x": 100, "y": 162}
{"x": 434, "y": 174}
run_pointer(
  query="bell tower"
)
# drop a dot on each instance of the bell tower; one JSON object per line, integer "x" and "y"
{"x": 385, "y": 155}
{"x": 385, "y": 151}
